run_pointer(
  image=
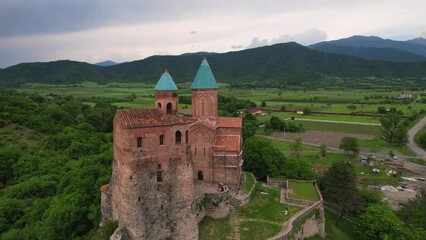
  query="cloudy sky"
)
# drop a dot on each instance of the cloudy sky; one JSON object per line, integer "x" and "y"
{"x": 126, "y": 30}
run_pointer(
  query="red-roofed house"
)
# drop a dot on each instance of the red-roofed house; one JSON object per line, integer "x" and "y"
{"x": 254, "y": 111}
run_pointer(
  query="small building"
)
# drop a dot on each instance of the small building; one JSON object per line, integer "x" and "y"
{"x": 255, "y": 111}
{"x": 300, "y": 112}
{"x": 406, "y": 95}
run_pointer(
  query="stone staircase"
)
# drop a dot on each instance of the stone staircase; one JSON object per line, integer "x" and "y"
{"x": 235, "y": 202}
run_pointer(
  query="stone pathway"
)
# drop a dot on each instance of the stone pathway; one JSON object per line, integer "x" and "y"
{"x": 235, "y": 221}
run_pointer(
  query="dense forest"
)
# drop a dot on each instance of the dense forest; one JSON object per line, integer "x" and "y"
{"x": 279, "y": 65}
{"x": 55, "y": 153}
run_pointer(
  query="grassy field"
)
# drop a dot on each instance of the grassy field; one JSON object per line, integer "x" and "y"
{"x": 258, "y": 230}
{"x": 263, "y": 216}
{"x": 141, "y": 94}
{"x": 416, "y": 138}
{"x": 417, "y": 161}
{"x": 248, "y": 184}
{"x": 343, "y": 231}
{"x": 380, "y": 145}
{"x": 220, "y": 229}
{"x": 303, "y": 190}
{"x": 340, "y": 118}
{"x": 260, "y": 219}
{"x": 341, "y": 127}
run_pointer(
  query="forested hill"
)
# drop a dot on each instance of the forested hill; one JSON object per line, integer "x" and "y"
{"x": 276, "y": 65}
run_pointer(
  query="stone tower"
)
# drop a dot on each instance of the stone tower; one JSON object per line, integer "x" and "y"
{"x": 166, "y": 97}
{"x": 204, "y": 93}
{"x": 151, "y": 191}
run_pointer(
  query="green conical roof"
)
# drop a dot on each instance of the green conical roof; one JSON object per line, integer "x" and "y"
{"x": 166, "y": 83}
{"x": 204, "y": 78}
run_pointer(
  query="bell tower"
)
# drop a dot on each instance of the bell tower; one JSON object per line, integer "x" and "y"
{"x": 204, "y": 93}
{"x": 166, "y": 94}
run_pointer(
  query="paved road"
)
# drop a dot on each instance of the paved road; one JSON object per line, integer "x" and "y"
{"x": 332, "y": 121}
{"x": 416, "y": 149}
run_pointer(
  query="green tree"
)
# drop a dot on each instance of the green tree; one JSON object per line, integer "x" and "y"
{"x": 422, "y": 139}
{"x": 352, "y": 107}
{"x": 307, "y": 111}
{"x": 263, "y": 104}
{"x": 261, "y": 158}
{"x": 283, "y": 108}
{"x": 340, "y": 188}
{"x": 249, "y": 129}
{"x": 323, "y": 150}
{"x": 393, "y": 131}
{"x": 297, "y": 147}
{"x": 381, "y": 110}
{"x": 414, "y": 212}
{"x": 276, "y": 123}
{"x": 349, "y": 144}
{"x": 379, "y": 222}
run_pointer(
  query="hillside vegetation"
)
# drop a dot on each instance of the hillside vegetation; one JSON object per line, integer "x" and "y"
{"x": 55, "y": 153}
{"x": 278, "y": 65}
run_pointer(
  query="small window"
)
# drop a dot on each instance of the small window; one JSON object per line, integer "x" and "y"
{"x": 158, "y": 105}
{"x": 159, "y": 166}
{"x": 161, "y": 139}
{"x": 178, "y": 136}
{"x": 169, "y": 108}
{"x": 159, "y": 176}
{"x": 139, "y": 199}
{"x": 139, "y": 142}
{"x": 187, "y": 136}
{"x": 131, "y": 177}
{"x": 200, "y": 176}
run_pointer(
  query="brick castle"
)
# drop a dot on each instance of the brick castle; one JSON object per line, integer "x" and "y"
{"x": 164, "y": 161}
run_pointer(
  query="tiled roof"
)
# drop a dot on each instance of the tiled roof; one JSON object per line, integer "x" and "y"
{"x": 166, "y": 83}
{"x": 228, "y": 143}
{"x": 137, "y": 118}
{"x": 254, "y": 110}
{"x": 104, "y": 188}
{"x": 204, "y": 78}
{"x": 229, "y": 122}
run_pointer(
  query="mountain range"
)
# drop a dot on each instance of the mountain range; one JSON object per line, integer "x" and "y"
{"x": 269, "y": 66}
{"x": 376, "y": 48}
{"x": 107, "y": 63}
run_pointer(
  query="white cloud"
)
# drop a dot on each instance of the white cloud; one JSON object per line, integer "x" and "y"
{"x": 423, "y": 35}
{"x": 237, "y": 46}
{"x": 307, "y": 37}
{"x": 129, "y": 30}
{"x": 256, "y": 42}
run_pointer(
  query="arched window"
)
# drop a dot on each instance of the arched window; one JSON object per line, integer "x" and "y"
{"x": 178, "y": 137}
{"x": 169, "y": 108}
{"x": 202, "y": 108}
{"x": 158, "y": 105}
{"x": 161, "y": 139}
{"x": 187, "y": 136}
{"x": 200, "y": 175}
